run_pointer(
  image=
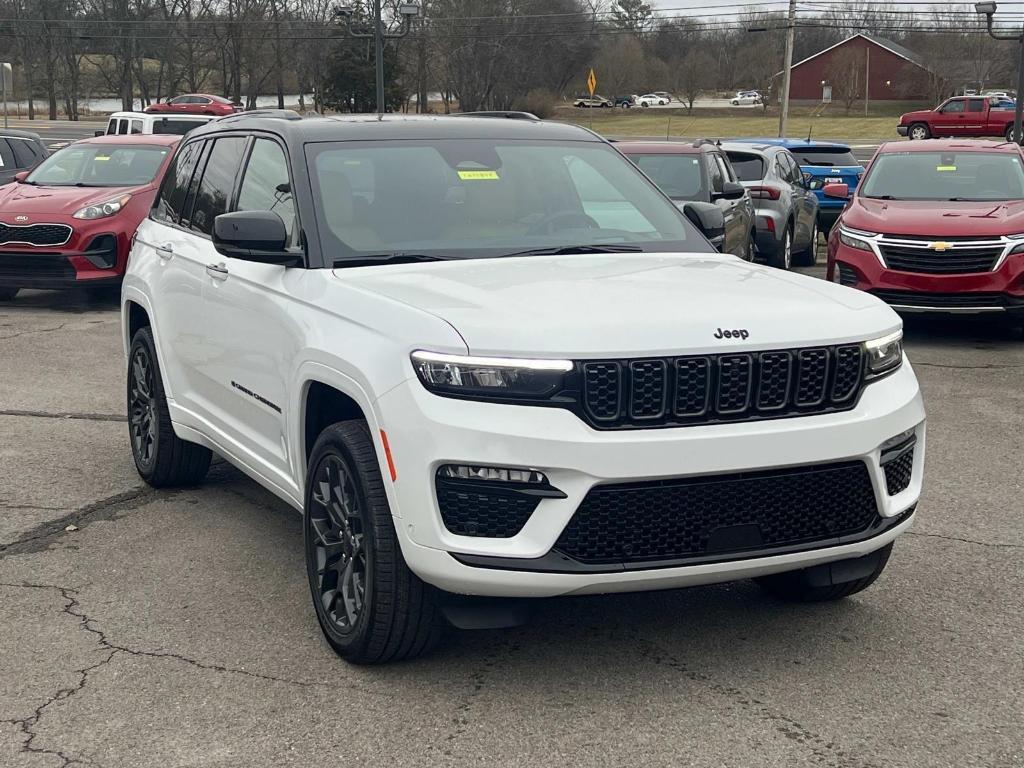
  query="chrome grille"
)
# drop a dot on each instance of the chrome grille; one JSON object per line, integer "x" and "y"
{"x": 957, "y": 258}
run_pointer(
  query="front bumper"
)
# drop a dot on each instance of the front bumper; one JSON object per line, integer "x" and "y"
{"x": 426, "y": 431}
{"x": 902, "y": 130}
{"x": 995, "y": 292}
{"x": 93, "y": 260}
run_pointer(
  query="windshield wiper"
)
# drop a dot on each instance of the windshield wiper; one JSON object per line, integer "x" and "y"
{"x": 564, "y": 250}
{"x": 882, "y": 197}
{"x": 399, "y": 257}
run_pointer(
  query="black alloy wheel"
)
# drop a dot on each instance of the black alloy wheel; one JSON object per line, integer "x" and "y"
{"x": 340, "y": 550}
{"x": 142, "y": 416}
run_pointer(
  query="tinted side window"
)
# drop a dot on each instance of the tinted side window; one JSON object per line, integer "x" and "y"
{"x": 792, "y": 170}
{"x": 122, "y": 127}
{"x": 265, "y": 186}
{"x": 218, "y": 181}
{"x": 725, "y": 168}
{"x": 25, "y": 153}
{"x": 176, "y": 182}
{"x": 136, "y": 126}
{"x": 111, "y": 127}
{"x": 7, "y": 155}
{"x": 715, "y": 176}
{"x": 952, "y": 107}
{"x": 975, "y": 105}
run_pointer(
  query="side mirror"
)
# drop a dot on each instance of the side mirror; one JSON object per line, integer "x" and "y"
{"x": 708, "y": 218}
{"x": 731, "y": 190}
{"x": 99, "y": 133}
{"x": 836, "y": 191}
{"x": 258, "y": 236}
{"x": 20, "y": 176}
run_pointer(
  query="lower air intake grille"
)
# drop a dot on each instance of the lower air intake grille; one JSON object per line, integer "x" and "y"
{"x": 941, "y": 300}
{"x": 481, "y": 509}
{"x": 719, "y": 515}
{"x": 897, "y": 473}
{"x": 622, "y": 394}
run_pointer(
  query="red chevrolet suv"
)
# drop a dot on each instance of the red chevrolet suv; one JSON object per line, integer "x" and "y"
{"x": 70, "y": 221}
{"x": 935, "y": 226}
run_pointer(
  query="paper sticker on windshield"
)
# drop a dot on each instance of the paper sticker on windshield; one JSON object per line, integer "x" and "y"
{"x": 945, "y": 167}
{"x": 478, "y": 175}
{"x": 101, "y": 158}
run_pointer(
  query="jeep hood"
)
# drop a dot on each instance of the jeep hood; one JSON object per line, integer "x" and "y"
{"x": 620, "y": 305}
{"x": 933, "y": 218}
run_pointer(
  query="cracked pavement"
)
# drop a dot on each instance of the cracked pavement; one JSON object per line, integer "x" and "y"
{"x": 143, "y": 628}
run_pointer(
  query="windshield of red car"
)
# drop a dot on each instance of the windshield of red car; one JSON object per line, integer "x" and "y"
{"x": 967, "y": 176}
{"x": 100, "y": 165}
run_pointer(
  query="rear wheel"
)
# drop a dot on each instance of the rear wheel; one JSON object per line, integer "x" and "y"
{"x": 783, "y": 256}
{"x": 8, "y": 294}
{"x": 918, "y": 132}
{"x": 808, "y": 257}
{"x": 162, "y": 458}
{"x": 827, "y": 582}
{"x": 1009, "y": 132}
{"x": 370, "y": 606}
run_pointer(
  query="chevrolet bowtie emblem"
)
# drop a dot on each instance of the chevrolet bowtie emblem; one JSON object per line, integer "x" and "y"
{"x": 940, "y": 246}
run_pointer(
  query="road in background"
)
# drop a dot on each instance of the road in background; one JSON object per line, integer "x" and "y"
{"x": 157, "y": 628}
{"x": 58, "y": 133}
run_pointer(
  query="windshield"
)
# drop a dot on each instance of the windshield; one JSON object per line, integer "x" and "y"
{"x": 100, "y": 165}
{"x": 678, "y": 176}
{"x": 458, "y": 198}
{"x": 981, "y": 176}
{"x": 747, "y": 167}
{"x": 824, "y": 156}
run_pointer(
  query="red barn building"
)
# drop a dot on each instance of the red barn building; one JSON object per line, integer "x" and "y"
{"x": 840, "y": 71}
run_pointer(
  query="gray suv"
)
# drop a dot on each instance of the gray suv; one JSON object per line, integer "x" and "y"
{"x": 786, "y": 210}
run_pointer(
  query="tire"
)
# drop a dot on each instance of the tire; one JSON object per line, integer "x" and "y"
{"x": 162, "y": 458}
{"x": 1008, "y": 135}
{"x": 8, "y": 294}
{"x": 795, "y": 586}
{"x": 808, "y": 257}
{"x": 783, "y": 256}
{"x": 735, "y": 103}
{"x": 751, "y": 252}
{"x": 644, "y": 104}
{"x": 918, "y": 132}
{"x": 371, "y": 608}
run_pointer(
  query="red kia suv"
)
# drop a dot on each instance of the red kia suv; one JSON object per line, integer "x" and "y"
{"x": 196, "y": 104}
{"x": 70, "y": 221}
{"x": 935, "y": 226}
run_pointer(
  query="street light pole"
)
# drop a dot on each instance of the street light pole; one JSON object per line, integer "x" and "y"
{"x": 406, "y": 10}
{"x": 989, "y": 10}
{"x": 788, "y": 71}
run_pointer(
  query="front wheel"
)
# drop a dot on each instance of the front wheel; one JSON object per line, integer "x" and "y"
{"x": 371, "y": 608}
{"x": 831, "y": 581}
{"x": 919, "y": 132}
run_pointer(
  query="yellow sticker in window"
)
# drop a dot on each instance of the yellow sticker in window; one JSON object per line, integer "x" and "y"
{"x": 945, "y": 168}
{"x": 101, "y": 158}
{"x": 478, "y": 175}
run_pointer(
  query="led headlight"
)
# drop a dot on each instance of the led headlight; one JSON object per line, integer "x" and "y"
{"x": 102, "y": 210}
{"x": 884, "y": 354}
{"x": 498, "y": 377}
{"x": 854, "y": 239}
{"x": 1018, "y": 241}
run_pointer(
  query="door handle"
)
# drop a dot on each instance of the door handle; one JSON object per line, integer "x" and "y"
{"x": 217, "y": 271}
{"x": 165, "y": 251}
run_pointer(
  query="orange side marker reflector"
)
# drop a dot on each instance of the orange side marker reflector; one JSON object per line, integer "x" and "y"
{"x": 387, "y": 454}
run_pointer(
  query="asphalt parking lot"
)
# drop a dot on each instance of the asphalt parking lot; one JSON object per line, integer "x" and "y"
{"x": 143, "y": 628}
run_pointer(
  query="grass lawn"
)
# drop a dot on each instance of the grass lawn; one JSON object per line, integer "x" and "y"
{"x": 720, "y": 124}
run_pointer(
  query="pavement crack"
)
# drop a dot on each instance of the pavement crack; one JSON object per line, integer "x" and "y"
{"x": 962, "y": 540}
{"x": 66, "y": 415}
{"x": 31, "y": 331}
{"x": 41, "y": 537}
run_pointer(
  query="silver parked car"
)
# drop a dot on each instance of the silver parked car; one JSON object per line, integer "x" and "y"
{"x": 786, "y": 228}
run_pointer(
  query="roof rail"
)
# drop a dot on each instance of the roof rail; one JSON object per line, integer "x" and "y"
{"x": 281, "y": 114}
{"x": 507, "y": 114}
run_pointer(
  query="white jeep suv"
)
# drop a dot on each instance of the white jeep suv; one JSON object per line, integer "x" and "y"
{"x": 489, "y": 360}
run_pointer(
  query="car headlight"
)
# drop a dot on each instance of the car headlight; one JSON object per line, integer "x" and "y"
{"x": 102, "y": 210}
{"x": 885, "y": 354}
{"x": 489, "y": 377}
{"x": 1019, "y": 243}
{"x": 855, "y": 239}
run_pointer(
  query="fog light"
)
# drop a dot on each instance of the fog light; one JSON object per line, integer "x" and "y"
{"x": 499, "y": 474}
{"x": 896, "y": 440}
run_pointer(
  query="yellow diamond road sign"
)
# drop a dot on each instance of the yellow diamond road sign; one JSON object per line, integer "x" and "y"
{"x": 592, "y": 82}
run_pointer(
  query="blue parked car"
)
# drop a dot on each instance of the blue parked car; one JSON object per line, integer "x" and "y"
{"x": 822, "y": 162}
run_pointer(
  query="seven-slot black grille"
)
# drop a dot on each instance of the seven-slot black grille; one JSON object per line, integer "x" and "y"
{"x": 898, "y": 472}
{"x": 719, "y": 515}
{"x": 735, "y": 386}
{"x": 35, "y": 234}
{"x": 954, "y": 261}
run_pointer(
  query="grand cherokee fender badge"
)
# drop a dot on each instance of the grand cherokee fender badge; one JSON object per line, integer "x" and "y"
{"x": 735, "y": 333}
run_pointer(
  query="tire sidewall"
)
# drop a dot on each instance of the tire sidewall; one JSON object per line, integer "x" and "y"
{"x": 143, "y": 340}
{"x": 923, "y": 129}
{"x": 330, "y": 444}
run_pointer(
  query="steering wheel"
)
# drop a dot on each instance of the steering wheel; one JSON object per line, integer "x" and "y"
{"x": 546, "y": 226}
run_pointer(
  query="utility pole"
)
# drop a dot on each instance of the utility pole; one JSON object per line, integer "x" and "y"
{"x": 788, "y": 70}
{"x": 989, "y": 10}
{"x": 406, "y": 10}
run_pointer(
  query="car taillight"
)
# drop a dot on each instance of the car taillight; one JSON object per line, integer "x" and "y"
{"x": 763, "y": 193}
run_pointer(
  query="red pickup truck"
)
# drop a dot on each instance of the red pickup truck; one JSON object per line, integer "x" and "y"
{"x": 960, "y": 116}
